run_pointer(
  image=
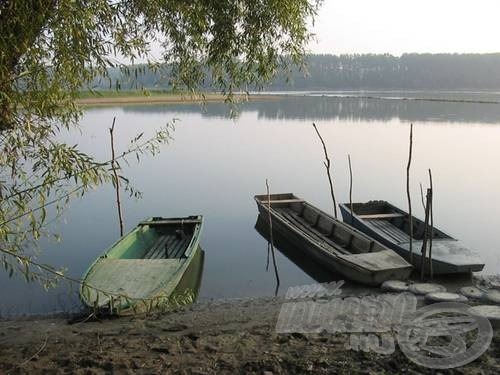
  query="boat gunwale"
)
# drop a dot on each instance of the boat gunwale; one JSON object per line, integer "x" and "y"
{"x": 324, "y": 246}
{"x": 346, "y": 207}
{"x": 445, "y": 263}
{"x": 195, "y": 240}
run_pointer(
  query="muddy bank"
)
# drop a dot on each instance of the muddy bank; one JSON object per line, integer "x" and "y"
{"x": 219, "y": 337}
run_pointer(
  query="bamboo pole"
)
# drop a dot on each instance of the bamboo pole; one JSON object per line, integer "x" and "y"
{"x": 431, "y": 272}
{"x": 350, "y": 187}
{"x": 117, "y": 180}
{"x": 271, "y": 239}
{"x": 327, "y": 166}
{"x": 410, "y": 217}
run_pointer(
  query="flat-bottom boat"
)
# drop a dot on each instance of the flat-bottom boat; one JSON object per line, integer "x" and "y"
{"x": 332, "y": 243}
{"x": 390, "y": 225}
{"x": 146, "y": 267}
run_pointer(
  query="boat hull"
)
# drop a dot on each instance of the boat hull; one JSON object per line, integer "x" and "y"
{"x": 145, "y": 268}
{"x": 463, "y": 259}
{"x": 345, "y": 265}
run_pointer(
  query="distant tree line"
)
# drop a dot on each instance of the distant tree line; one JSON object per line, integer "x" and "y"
{"x": 410, "y": 71}
{"x": 352, "y": 72}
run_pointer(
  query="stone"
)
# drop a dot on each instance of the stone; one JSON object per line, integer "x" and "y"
{"x": 492, "y": 312}
{"x": 492, "y": 296}
{"x": 425, "y": 288}
{"x": 471, "y": 292}
{"x": 394, "y": 286}
{"x": 436, "y": 297}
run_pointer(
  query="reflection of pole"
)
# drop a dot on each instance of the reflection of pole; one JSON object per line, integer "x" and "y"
{"x": 426, "y": 233}
{"x": 350, "y": 185}
{"x": 327, "y": 166}
{"x": 116, "y": 179}
{"x": 410, "y": 217}
{"x": 432, "y": 225}
{"x": 270, "y": 244}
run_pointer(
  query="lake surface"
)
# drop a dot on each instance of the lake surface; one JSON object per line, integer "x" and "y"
{"x": 216, "y": 164}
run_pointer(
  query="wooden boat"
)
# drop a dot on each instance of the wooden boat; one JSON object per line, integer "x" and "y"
{"x": 146, "y": 267}
{"x": 312, "y": 268}
{"x": 390, "y": 225}
{"x": 335, "y": 245}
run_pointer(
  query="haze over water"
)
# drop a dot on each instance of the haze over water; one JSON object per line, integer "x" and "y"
{"x": 216, "y": 164}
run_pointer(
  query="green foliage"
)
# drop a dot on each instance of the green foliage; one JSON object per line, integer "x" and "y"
{"x": 50, "y": 50}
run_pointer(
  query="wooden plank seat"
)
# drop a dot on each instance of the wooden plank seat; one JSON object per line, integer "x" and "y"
{"x": 175, "y": 247}
{"x": 169, "y": 222}
{"x": 389, "y": 230}
{"x": 381, "y": 216}
{"x": 282, "y": 201}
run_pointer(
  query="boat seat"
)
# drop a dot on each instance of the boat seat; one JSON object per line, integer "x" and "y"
{"x": 175, "y": 247}
{"x": 381, "y": 216}
{"x": 389, "y": 230}
{"x": 287, "y": 201}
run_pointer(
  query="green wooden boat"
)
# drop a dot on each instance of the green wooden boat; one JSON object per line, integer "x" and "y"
{"x": 144, "y": 268}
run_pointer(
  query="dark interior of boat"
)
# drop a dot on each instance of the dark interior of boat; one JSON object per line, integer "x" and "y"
{"x": 171, "y": 242}
{"x": 321, "y": 227}
{"x": 392, "y": 221}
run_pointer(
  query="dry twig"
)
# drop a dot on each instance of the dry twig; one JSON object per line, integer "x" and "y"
{"x": 327, "y": 166}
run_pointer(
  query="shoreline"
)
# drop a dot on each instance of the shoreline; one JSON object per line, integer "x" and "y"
{"x": 155, "y": 98}
{"x": 167, "y": 99}
{"x": 233, "y": 336}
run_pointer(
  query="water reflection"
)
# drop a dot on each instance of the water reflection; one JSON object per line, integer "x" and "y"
{"x": 216, "y": 165}
{"x": 190, "y": 282}
{"x": 295, "y": 254}
{"x": 341, "y": 108}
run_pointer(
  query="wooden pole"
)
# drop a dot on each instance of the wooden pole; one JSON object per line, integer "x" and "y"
{"x": 431, "y": 273}
{"x": 117, "y": 180}
{"x": 426, "y": 235}
{"x": 327, "y": 166}
{"x": 271, "y": 242}
{"x": 422, "y": 196}
{"x": 350, "y": 187}
{"x": 410, "y": 217}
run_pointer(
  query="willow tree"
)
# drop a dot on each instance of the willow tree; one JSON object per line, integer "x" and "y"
{"x": 52, "y": 49}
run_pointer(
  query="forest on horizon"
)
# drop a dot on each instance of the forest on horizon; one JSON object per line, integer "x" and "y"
{"x": 352, "y": 72}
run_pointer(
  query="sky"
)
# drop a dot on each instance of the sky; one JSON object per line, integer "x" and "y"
{"x": 404, "y": 26}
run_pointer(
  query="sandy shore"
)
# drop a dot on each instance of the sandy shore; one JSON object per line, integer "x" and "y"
{"x": 163, "y": 99}
{"x": 219, "y": 337}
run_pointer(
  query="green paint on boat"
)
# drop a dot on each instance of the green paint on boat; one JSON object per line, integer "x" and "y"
{"x": 157, "y": 260}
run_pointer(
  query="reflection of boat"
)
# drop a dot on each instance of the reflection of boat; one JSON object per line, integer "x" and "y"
{"x": 334, "y": 244}
{"x": 148, "y": 267}
{"x": 389, "y": 225}
{"x": 189, "y": 285}
{"x": 288, "y": 249}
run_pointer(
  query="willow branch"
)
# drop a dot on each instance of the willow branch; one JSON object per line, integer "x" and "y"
{"x": 94, "y": 167}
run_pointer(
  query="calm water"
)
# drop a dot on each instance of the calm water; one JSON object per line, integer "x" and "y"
{"x": 216, "y": 164}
